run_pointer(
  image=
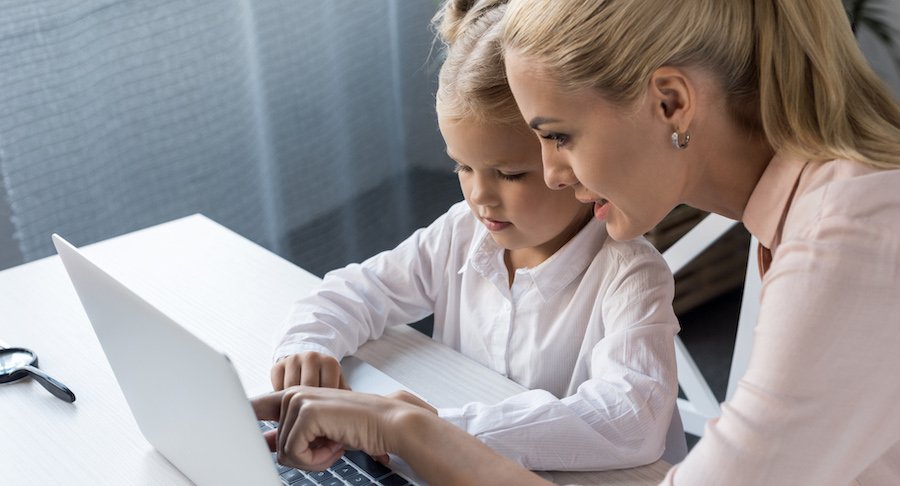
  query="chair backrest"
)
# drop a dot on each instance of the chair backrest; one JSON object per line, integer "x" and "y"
{"x": 676, "y": 443}
{"x": 701, "y": 404}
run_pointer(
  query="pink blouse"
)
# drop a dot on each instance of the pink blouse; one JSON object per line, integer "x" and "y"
{"x": 820, "y": 402}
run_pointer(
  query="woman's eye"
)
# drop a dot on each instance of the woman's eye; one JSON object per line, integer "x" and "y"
{"x": 559, "y": 138}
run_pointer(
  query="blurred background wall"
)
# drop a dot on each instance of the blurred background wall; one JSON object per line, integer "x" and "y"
{"x": 306, "y": 126}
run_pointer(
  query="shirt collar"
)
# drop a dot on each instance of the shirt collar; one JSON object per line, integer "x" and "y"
{"x": 771, "y": 198}
{"x": 554, "y": 273}
{"x": 486, "y": 257}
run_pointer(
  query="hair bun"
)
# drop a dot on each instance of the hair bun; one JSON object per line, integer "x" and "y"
{"x": 454, "y": 15}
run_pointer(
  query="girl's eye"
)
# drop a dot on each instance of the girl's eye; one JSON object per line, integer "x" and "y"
{"x": 461, "y": 168}
{"x": 559, "y": 138}
{"x": 511, "y": 177}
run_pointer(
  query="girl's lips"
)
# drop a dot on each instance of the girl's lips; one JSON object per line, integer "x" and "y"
{"x": 493, "y": 225}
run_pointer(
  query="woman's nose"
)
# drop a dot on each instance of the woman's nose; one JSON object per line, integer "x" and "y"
{"x": 557, "y": 173}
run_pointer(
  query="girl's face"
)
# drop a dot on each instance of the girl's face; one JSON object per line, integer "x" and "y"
{"x": 501, "y": 177}
{"x": 622, "y": 161}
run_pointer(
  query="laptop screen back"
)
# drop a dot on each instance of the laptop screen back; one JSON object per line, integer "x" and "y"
{"x": 185, "y": 396}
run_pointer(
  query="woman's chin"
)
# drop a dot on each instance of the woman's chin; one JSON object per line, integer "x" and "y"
{"x": 620, "y": 228}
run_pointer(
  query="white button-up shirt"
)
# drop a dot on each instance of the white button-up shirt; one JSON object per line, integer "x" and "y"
{"x": 590, "y": 331}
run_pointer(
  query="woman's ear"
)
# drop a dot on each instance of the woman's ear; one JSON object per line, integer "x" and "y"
{"x": 674, "y": 97}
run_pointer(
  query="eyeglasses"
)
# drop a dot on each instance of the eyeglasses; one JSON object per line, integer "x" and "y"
{"x": 18, "y": 363}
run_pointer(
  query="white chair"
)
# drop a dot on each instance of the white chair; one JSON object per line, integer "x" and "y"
{"x": 700, "y": 404}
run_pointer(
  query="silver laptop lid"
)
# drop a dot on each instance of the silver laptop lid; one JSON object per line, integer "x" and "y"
{"x": 185, "y": 396}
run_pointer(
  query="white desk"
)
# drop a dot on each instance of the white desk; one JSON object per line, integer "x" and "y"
{"x": 231, "y": 293}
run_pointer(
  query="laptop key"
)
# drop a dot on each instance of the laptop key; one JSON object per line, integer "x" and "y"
{"x": 281, "y": 467}
{"x": 319, "y": 476}
{"x": 292, "y": 475}
{"x": 367, "y": 463}
{"x": 333, "y": 482}
{"x": 344, "y": 470}
{"x": 304, "y": 482}
{"x": 358, "y": 480}
{"x": 393, "y": 480}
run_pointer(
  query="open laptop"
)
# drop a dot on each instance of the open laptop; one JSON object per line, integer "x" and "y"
{"x": 187, "y": 398}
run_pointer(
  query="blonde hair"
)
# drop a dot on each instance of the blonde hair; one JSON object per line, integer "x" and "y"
{"x": 472, "y": 81}
{"x": 789, "y": 68}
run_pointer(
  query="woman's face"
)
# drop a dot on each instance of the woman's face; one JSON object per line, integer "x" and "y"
{"x": 622, "y": 160}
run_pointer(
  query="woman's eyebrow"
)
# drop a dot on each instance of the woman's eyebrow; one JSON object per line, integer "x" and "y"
{"x": 537, "y": 121}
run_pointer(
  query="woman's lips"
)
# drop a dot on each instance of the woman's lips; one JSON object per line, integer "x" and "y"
{"x": 494, "y": 225}
{"x": 601, "y": 208}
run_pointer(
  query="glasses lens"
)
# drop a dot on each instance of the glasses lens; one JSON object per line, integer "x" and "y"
{"x": 12, "y": 360}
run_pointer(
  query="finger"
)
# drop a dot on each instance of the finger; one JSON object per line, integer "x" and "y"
{"x": 290, "y": 408}
{"x": 320, "y": 452}
{"x": 330, "y": 376}
{"x": 309, "y": 374}
{"x": 267, "y": 406}
{"x": 291, "y": 372}
{"x": 321, "y": 458}
{"x": 344, "y": 385}
{"x": 383, "y": 458}
{"x": 271, "y": 437}
{"x": 277, "y": 376}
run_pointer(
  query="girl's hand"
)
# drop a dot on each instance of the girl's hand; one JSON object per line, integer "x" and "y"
{"x": 308, "y": 369}
{"x": 316, "y": 425}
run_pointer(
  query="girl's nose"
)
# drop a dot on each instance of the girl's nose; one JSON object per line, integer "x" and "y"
{"x": 482, "y": 192}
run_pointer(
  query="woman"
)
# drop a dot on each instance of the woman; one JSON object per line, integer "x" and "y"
{"x": 763, "y": 111}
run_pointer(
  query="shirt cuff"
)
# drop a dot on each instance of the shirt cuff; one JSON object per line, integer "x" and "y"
{"x": 304, "y": 347}
{"x": 455, "y": 416}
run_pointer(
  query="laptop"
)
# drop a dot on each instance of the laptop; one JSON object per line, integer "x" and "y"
{"x": 187, "y": 398}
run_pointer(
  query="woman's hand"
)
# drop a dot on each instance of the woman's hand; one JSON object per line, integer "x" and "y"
{"x": 405, "y": 396}
{"x": 308, "y": 369}
{"x": 316, "y": 425}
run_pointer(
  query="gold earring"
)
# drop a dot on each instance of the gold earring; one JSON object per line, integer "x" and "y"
{"x": 677, "y": 144}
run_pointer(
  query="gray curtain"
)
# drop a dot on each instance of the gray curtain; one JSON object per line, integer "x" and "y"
{"x": 270, "y": 117}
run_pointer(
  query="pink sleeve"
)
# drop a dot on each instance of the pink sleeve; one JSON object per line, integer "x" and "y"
{"x": 818, "y": 404}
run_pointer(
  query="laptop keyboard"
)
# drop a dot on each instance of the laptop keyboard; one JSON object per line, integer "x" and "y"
{"x": 355, "y": 468}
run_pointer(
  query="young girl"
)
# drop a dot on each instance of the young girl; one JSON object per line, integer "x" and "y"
{"x": 521, "y": 278}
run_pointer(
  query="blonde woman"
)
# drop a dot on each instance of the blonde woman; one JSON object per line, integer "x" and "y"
{"x": 763, "y": 111}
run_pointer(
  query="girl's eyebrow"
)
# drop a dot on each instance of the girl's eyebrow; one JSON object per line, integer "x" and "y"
{"x": 537, "y": 121}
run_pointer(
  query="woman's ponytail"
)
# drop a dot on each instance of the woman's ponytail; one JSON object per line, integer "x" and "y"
{"x": 818, "y": 97}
